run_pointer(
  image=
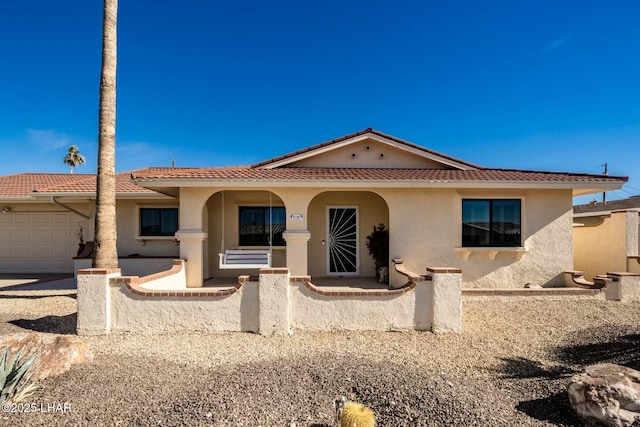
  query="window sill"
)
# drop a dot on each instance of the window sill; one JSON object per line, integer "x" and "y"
{"x": 491, "y": 252}
{"x": 143, "y": 239}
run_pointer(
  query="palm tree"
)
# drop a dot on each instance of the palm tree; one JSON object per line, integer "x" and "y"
{"x": 73, "y": 158}
{"x": 106, "y": 254}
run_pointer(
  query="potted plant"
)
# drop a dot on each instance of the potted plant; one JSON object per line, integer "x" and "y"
{"x": 378, "y": 246}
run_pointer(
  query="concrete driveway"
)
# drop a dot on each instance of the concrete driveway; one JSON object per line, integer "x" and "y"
{"x": 37, "y": 282}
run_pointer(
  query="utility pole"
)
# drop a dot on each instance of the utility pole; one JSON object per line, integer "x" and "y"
{"x": 604, "y": 193}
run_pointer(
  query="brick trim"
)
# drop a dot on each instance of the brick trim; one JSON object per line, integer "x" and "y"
{"x": 398, "y": 264}
{"x": 98, "y": 271}
{"x": 362, "y": 293}
{"x": 135, "y": 285}
{"x": 274, "y": 271}
{"x": 444, "y": 270}
{"x": 623, "y": 274}
{"x": 530, "y": 292}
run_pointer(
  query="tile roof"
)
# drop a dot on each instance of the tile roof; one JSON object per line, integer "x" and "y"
{"x": 245, "y": 173}
{"x": 355, "y": 134}
{"x": 23, "y": 185}
{"x": 613, "y": 205}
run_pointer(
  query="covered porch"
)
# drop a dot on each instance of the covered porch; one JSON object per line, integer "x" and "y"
{"x": 320, "y": 233}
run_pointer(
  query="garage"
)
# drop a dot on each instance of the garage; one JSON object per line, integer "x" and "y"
{"x": 38, "y": 242}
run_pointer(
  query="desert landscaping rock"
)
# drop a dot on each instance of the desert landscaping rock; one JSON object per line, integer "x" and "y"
{"x": 607, "y": 393}
{"x": 509, "y": 367}
{"x": 55, "y": 354}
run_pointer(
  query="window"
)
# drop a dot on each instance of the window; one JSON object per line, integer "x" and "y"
{"x": 158, "y": 221}
{"x": 257, "y": 223}
{"x": 492, "y": 223}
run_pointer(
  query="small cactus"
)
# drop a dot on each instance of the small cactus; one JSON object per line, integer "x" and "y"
{"x": 356, "y": 415}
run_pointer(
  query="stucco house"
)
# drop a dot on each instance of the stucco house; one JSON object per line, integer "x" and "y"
{"x": 312, "y": 210}
{"x": 44, "y": 217}
{"x": 607, "y": 237}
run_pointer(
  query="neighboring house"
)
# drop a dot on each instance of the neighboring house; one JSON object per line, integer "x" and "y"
{"x": 501, "y": 227}
{"x": 42, "y": 215}
{"x": 606, "y": 237}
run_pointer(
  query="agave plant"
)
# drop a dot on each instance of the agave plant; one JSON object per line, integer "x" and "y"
{"x": 13, "y": 378}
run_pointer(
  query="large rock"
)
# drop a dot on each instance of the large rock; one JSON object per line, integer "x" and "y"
{"x": 55, "y": 353}
{"x": 607, "y": 393}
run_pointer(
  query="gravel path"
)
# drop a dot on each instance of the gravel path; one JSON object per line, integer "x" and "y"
{"x": 508, "y": 368}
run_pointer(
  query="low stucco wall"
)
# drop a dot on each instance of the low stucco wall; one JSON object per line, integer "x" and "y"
{"x": 131, "y": 266}
{"x": 276, "y": 304}
{"x": 311, "y": 311}
{"x": 134, "y": 313}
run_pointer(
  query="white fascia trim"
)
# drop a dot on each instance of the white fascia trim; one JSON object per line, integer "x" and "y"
{"x": 588, "y": 214}
{"x": 604, "y": 213}
{"x": 363, "y": 137}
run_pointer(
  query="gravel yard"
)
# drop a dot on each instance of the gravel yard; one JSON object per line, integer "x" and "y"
{"x": 508, "y": 368}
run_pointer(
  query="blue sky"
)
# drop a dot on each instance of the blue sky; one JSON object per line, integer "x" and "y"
{"x": 510, "y": 84}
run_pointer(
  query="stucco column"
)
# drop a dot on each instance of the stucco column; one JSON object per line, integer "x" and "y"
{"x": 297, "y": 251}
{"x": 274, "y": 301}
{"x": 623, "y": 287}
{"x": 191, "y": 250}
{"x": 447, "y": 299}
{"x": 94, "y": 300}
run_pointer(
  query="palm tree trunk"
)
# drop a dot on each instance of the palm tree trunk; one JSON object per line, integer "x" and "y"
{"x": 106, "y": 254}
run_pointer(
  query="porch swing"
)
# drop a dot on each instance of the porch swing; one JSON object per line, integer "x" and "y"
{"x": 236, "y": 259}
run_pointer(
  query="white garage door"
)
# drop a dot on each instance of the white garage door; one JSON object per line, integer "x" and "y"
{"x": 38, "y": 242}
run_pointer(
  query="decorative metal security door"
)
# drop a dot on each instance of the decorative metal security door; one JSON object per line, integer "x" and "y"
{"x": 342, "y": 248}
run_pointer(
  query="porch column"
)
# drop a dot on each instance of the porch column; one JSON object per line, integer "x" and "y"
{"x": 297, "y": 251}
{"x": 191, "y": 250}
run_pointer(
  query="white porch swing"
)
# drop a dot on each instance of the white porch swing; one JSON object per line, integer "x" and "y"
{"x": 236, "y": 259}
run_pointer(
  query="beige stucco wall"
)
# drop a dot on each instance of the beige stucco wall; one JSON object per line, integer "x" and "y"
{"x": 372, "y": 210}
{"x": 128, "y": 219}
{"x": 127, "y": 223}
{"x": 427, "y": 228}
{"x": 378, "y": 155}
{"x": 132, "y": 313}
{"x": 604, "y": 248}
{"x": 310, "y": 311}
{"x": 277, "y": 304}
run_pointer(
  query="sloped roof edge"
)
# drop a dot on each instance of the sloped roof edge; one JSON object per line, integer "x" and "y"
{"x": 305, "y": 151}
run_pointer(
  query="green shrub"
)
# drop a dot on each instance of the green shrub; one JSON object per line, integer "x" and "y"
{"x": 378, "y": 246}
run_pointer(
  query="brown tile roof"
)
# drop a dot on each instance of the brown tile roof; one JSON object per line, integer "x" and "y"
{"x": 613, "y": 205}
{"x": 355, "y": 134}
{"x": 23, "y": 185}
{"x": 369, "y": 174}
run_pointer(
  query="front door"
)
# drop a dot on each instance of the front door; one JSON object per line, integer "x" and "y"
{"x": 342, "y": 247}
